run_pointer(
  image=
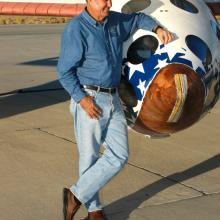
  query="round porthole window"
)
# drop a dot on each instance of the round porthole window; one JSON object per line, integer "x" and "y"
{"x": 135, "y": 6}
{"x": 142, "y": 49}
{"x": 185, "y": 5}
{"x": 200, "y": 49}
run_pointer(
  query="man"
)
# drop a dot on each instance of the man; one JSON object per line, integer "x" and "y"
{"x": 89, "y": 68}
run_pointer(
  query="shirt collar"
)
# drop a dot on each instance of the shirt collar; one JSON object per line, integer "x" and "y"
{"x": 91, "y": 20}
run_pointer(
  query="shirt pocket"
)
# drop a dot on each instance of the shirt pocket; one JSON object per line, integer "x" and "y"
{"x": 114, "y": 32}
{"x": 115, "y": 40}
{"x": 97, "y": 52}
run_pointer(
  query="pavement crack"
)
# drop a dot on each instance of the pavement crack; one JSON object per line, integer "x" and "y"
{"x": 44, "y": 131}
{"x": 169, "y": 178}
{"x": 130, "y": 164}
{"x": 65, "y": 139}
{"x": 27, "y": 129}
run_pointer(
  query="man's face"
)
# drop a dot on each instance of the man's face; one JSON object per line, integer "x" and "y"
{"x": 101, "y": 7}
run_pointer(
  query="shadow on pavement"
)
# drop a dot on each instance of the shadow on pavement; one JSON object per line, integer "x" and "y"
{"x": 122, "y": 208}
{"x": 28, "y": 99}
{"x": 52, "y": 61}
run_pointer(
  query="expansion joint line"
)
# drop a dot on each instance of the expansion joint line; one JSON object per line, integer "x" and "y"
{"x": 65, "y": 139}
{"x": 133, "y": 165}
{"x": 169, "y": 178}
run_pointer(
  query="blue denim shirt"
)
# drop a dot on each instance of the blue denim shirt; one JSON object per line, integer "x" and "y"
{"x": 91, "y": 52}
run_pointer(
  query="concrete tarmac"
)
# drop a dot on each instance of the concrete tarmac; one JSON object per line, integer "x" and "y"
{"x": 165, "y": 179}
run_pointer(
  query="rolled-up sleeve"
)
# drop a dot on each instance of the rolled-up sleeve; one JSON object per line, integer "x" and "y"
{"x": 131, "y": 22}
{"x": 71, "y": 53}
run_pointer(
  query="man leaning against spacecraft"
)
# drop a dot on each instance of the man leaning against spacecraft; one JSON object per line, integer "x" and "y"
{"x": 89, "y": 68}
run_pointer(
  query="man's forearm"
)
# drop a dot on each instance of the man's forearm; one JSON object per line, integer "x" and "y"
{"x": 71, "y": 84}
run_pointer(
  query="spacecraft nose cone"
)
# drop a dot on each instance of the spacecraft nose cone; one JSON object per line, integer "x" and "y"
{"x": 174, "y": 100}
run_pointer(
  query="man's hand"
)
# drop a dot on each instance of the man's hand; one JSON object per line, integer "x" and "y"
{"x": 89, "y": 106}
{"x": 164, "y": 35}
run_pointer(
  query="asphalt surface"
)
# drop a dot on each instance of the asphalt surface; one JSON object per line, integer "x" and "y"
{"x": 165, "y": 179}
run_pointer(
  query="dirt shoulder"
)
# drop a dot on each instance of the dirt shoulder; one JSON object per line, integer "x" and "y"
{"x": 22, "y": 19}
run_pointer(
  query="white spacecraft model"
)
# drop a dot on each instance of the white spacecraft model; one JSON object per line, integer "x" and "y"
{"x": 168, "y": 88}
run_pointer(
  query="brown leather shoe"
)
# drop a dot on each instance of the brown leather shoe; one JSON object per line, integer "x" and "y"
{"x": 97, "y": 215}
{"x": 70, "y": 204}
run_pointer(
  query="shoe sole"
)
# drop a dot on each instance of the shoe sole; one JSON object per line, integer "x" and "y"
{"x": 65, "y": 190}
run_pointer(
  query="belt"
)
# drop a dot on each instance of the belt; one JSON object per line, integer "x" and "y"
{"x": 100, "y": 89}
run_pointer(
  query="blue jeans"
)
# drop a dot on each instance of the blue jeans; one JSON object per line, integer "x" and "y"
{"x": 111, "y": 132}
